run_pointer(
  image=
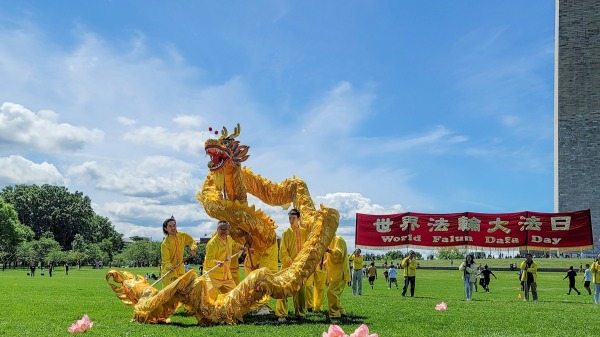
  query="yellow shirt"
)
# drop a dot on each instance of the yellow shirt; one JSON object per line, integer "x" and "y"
{"x": 409, "y": 269}
{"x": 218, "y": 249}
{"x": 372, "y": 271}
{"x": 357, "y": 262}
{"x": 595, "y": 268}
{"x": 171, "y": 251}
{"x": 288, "y": 247}
{"x": 335, "y": 263}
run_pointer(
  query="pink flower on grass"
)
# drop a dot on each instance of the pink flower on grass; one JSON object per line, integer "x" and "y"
{"x": 336, "y": 331}
{"x": 81, "y": 325}
{"x": 441, "y": 306}
{"x": 363, "y": 331}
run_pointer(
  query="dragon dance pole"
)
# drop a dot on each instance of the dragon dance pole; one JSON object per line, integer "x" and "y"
{"x": 217, "y": 266}
{"x": 169, "y": 272}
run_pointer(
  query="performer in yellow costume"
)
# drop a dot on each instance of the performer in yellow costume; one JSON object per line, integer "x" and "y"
{"x": 171, "y": 251}
{"x": 266, "y": 259}
{"x": 291, "y": 244}
{"x": 218, "y": 249}
{"x": 338, "y": 274}
{"x": 319, "y": 286}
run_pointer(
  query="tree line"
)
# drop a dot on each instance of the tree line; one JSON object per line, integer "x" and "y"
{"x": 48, "y": 224}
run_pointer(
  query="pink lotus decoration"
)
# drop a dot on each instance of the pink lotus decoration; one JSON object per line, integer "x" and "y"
{"x": 336, "y": 331}
{"x": 81, "y": 325}
{"x": 441, "y": 306}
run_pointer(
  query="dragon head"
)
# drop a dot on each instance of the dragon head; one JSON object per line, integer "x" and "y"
{"x": 225, "y": 150}
{"x": 129, "y": 288}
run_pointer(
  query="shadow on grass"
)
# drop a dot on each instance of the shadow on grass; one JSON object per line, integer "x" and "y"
{"x": 310, "y": 319}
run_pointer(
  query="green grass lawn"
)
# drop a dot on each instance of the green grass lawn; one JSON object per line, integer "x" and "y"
{"x": 43, "y": 306}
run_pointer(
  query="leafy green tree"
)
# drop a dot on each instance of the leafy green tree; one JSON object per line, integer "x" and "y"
{"x": 394, "y": 255}
{"x": 12, "y": 233}
{"x": 56, "y": 257}
{"x": 101, "y": 229}
{"x": 139, "y": 253}
{"x": 37, "y": 251}
{"x": 51, "y": 208}
{"x": 450, "y": 253}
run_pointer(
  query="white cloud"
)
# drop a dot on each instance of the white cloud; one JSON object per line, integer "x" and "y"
{"x": 348, "y": 204}
{"x": 188, "y": 121}
{"x": 18, "y": 170}
{"x": 160, "y": 177}
{"x": 125, "y": 121}
{"x": 20, "y": 127}
{"x": 183, "y": 141}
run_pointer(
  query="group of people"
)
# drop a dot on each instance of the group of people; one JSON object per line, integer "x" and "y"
{"x": 332, "y": 273}
{"x": 591, "y": 274}
{"x": 50, "y": 269}
{"x": 409, "y": 269}
{"x": 221, "y": 265}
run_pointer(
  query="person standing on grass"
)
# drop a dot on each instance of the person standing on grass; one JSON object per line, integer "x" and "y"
{"x": 357, "y": 274}
{"x": 67, "y": 269}
{"x": 571, "y": 274}
{"x": 292, "y": 240}
{"x": 529, "y": 277}
{"x": 337, "y": 274}
{"x": 469, "y": 275}
{"x": 219, "y": 250}
{"x": 50, "y": 269}
{"x": 372, "y": 273}
{"x": 587, "y": 278}
{"x": 386, "y": 275}
{"x": 595, "y": 269}
{"x": 409, "y": 271}
{"x": 392, "y": 276}
{"x": 486, "y": 273}
{"x": 171, "y": 251}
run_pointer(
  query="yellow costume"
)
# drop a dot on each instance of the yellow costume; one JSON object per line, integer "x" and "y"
{"x": 171, "y": 251}
{"x": 319, "y": 287}
{"x": 291, "y": 243}
{"x": 338, "y": 274}
{"x": 409, "y": 268}
{"x": 266, "y": 259}
{"x": 217, "y": 250}
{"x": 235, "y": 270}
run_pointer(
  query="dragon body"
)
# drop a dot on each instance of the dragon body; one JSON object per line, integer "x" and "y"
{"x": 224, "y": 196}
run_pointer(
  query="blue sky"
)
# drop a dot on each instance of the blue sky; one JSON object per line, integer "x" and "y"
{"x": 380, "y": 106}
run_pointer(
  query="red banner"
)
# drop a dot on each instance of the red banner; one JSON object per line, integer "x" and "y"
{"x": 524, "y": 230}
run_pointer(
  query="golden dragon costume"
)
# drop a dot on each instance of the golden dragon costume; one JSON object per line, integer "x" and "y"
{"x": 224, "y": 196}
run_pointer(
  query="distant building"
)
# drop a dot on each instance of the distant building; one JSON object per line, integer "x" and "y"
{"x": 577, "y": 109}
{"x": 131, "y": 239}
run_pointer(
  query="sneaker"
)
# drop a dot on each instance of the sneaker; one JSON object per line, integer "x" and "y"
{"x": 263, "y": 311}
{"x": 281, "y": 320}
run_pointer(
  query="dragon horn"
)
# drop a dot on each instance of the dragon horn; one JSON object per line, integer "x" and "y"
{"x": 236, "y": 131}
{"x": 224, "y": 134}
